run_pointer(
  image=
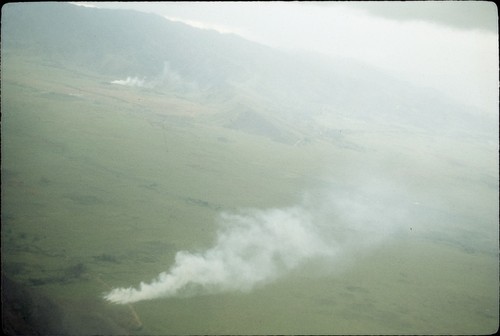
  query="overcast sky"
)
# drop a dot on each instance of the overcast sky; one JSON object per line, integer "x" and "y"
{"x": 448, "y": 45}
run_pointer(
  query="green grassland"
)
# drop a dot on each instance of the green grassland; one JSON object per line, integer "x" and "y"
{"x": 102, "y": 184}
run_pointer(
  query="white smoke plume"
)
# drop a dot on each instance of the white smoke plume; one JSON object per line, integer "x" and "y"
{"x": 168, "y": 77}
{"x": 254, "y": 247}
{"x": 130, "y": 81}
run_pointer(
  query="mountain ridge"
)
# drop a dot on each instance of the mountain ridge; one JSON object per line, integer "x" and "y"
{"x": 226, "y": 69}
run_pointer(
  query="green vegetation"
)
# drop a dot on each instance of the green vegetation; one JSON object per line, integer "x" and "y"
{"x": 102, "y": 184}
{"x": 96, "y": 189}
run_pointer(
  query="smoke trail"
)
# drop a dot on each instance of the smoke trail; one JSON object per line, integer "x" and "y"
{"x": 168, "y": 78}
{"x": 252, "y": 248}
{"x": 130, "y": 81}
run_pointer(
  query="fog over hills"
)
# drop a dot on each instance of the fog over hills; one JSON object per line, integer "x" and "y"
{"x": 285, "y": 96}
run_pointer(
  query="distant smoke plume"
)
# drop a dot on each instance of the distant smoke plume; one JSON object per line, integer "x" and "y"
{"x": 167, "y": 77}
{"x": 130, "y": 81}
{"x": 254, "y": 247}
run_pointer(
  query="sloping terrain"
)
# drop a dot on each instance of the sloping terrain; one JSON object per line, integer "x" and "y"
{"x": 293, "y": 90}
{"x": 127, "y": 139}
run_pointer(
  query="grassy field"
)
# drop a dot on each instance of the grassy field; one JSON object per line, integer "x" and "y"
{"x": 102, "y": 184}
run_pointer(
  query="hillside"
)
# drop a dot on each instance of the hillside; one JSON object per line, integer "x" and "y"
{"x": 87, "y": 37}
{"x": 292, "y": 92}
{"x": 159, "y": 179}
